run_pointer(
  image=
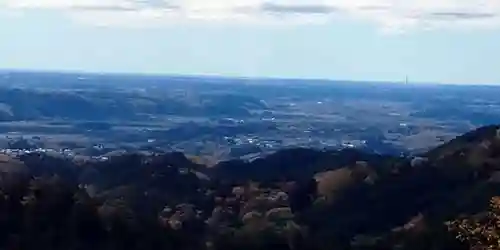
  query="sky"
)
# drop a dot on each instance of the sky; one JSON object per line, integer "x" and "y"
{"x": 432, "y": 41}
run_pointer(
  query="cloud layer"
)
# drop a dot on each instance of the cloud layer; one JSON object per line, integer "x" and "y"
{"x": 389, "y": 14}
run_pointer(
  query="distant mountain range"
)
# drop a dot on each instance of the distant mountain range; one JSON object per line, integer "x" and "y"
{"x": 25, "y": 104}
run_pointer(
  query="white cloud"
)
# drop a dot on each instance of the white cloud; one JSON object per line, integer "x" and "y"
{"x": 389, "y": 14}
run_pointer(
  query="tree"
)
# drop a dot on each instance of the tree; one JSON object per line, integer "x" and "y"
{"x": 480, "y": 232}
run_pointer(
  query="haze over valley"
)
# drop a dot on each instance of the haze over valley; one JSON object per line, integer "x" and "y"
{"x": 219, "y": 118}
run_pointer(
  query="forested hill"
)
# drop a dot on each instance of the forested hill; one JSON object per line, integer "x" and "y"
{"x": 293, "y": 199}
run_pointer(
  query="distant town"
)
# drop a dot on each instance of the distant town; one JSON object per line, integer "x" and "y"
{"x": 96, "y": 116}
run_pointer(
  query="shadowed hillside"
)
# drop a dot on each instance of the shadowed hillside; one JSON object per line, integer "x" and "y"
{"x": 292, "y": 199}
{"x": 116, "y": 104}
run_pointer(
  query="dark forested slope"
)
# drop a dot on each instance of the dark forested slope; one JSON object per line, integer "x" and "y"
{"x": 293, "y": 199}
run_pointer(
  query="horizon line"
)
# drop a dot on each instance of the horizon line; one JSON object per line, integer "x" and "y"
{"x": 403, "y": 82}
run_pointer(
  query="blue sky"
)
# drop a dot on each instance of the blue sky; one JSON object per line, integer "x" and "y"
{"x": 449, "y": 41}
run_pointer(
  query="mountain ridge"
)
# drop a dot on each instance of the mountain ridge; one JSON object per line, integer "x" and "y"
{"x": 292, "y": 199}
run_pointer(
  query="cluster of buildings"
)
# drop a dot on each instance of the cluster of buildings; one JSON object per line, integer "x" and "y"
{"x": 270, "y": 143}
{"x": 64, "y": 153}
{"x": 19, "y": 152}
